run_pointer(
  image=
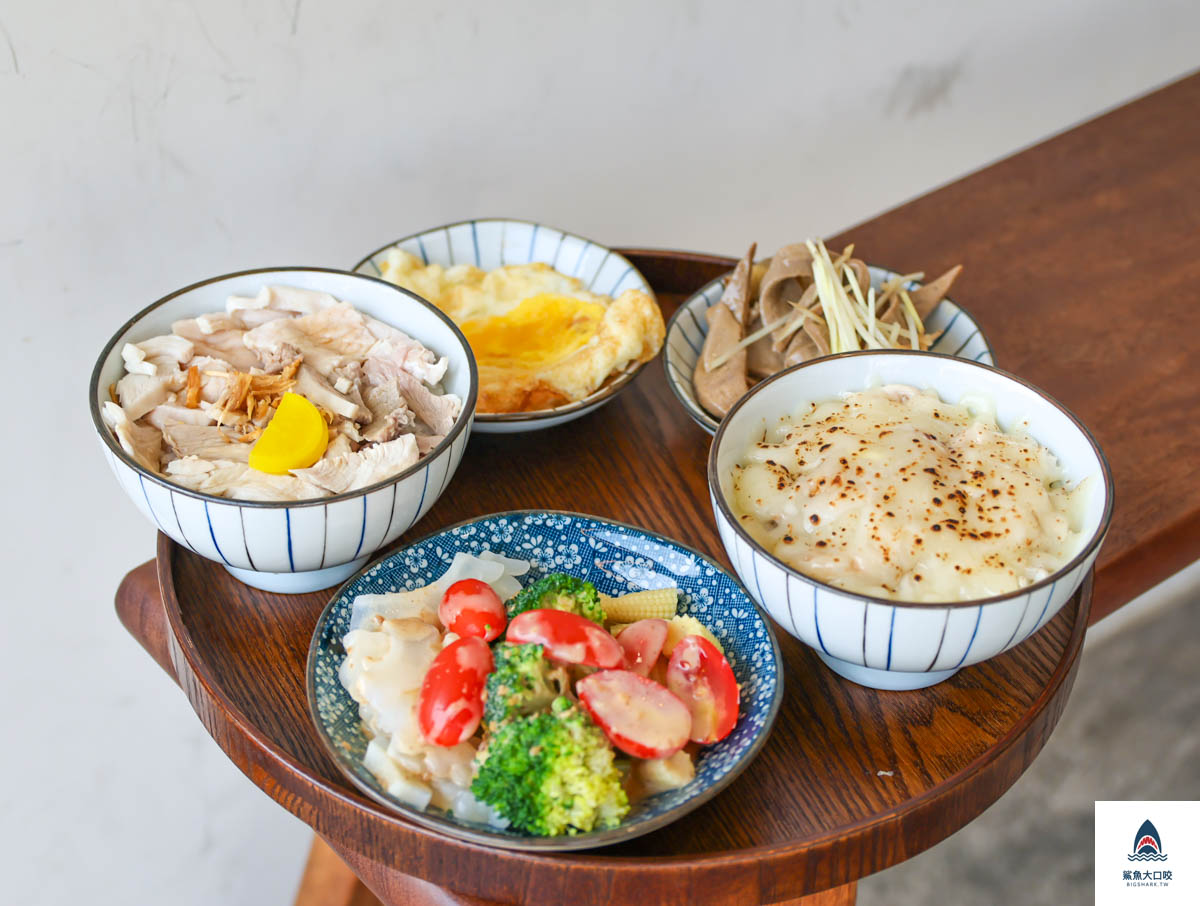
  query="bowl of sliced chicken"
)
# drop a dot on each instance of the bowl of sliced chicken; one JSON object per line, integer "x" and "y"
{"x": 802, "y": 303}
{"x": 286, "y": 423}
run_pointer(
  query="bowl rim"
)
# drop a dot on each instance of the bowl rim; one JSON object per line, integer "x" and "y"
{"x": 562, "y": 843}
{"x": 695, "y": 410}
{"x": 460, "y": 424}
{"x": 600, "y": 394}
{"x": 1093, "y": 542}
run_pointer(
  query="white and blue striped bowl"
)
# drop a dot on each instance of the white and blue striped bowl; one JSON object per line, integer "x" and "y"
{"x": 688, "y": 327}
{"x": 310, "y": 544}
{"x": 493, "y": 242}
{"x": 616, "y": 558}
{"x": 875, "y": 641}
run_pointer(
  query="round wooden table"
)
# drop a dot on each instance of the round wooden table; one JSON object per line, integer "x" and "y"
{"x": 852, "y": 780}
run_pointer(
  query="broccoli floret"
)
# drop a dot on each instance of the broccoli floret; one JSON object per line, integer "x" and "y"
{"x": 551, "y": 773}
{"x": 522, "y": 682}
{"x": 560, "y": 592}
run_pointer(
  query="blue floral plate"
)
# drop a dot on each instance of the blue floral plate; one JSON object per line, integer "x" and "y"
{"x": 617, "y": 558}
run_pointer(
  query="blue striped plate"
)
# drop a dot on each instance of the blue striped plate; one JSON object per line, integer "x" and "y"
{"x": 688, "y": 327}
{"x": 493, "y": 242}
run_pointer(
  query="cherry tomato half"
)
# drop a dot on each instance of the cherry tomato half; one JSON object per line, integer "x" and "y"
{"x": 472, "y": 607}
{"x": 566, "y": 638}
{"x": 450, "y": 704}
{"x": 699, "y": 674}
{"x": 637, "y": 714}
{"x": 642, "y": 643}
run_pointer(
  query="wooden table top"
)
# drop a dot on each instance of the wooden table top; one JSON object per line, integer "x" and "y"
{"x": 1064, "y": 242}
{"x": 1082, "y": 265}
{"x": 812, "y": 812}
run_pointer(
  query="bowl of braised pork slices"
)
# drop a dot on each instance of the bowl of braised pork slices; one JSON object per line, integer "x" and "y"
{"x": 907, "y": 514}
{"x": 804, "y": 302}
{"x": 286, "y": 423}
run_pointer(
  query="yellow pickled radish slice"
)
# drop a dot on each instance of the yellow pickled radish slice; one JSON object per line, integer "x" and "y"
{"x": 295, "y": 438}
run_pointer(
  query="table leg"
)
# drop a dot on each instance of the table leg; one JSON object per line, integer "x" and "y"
{"x": 330, "y": 879}
{"x": 837, "y": 896}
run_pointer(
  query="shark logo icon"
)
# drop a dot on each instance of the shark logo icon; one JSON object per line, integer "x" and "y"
{"x": 1147, "y": 845}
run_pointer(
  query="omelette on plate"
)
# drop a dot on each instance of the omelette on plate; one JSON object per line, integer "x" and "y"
{"x": 540, "y": 338}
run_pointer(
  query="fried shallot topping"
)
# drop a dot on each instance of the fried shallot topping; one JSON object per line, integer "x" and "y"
{"x": 253, "y": 394}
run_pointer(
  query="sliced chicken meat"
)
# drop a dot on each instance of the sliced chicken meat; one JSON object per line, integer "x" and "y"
{"x": 391, "y": 416}
{"x": 142, "y": 442}
{"x": 221, "y": 344}
{"x": 156, "y": 357}
{"x": 218, "y": 320}
{"x": 192, "y": 404}
{"x": 328, "y": 339}
{"x": 139, "y": 393}
{"x": 211, "y": 373}
{"x": 387, "y": 427}
{"x": 225, "y": 478}
{"x": 339, "y": 445}
{"x": 174, "y": 412}
{"x": 426, "y": 442}
{"x": 438, "y": 412}
{"x": 253, "y": 317}
{"x": 400, "y": 349}
{"x": 319, "y": 391}
{"x": 351, "y": 471}
{"x": 177, "y": 348}
{"x": 205, "y": 441}
{"x": 292, "y": 298}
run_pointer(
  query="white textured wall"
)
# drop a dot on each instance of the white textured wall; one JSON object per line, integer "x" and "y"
{"x": 144, "y": 145}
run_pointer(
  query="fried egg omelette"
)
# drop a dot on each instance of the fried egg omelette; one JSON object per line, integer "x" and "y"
{"x": 540, "y": 338}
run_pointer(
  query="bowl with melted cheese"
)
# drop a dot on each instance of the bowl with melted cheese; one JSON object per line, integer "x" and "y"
{"x": 558, "y": 324}
{"x": 907, "y": 514}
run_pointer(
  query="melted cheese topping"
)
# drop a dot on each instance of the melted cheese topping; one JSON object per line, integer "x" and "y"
{"x": 892, "y": 492}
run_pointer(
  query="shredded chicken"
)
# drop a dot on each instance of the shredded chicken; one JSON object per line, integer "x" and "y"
{"x": 327, "y": 339}
{"x": 225, "y": 478}
{"x": 311, "y": 384}
{"x": 439, "y": 412}
{"x": 142, "y": 442}
{"x": 349, "y": 471}
{"x": 205, "y": 441}
{"x": 139, "y": 393}
{"x": 193, "y": 403}
{"x": 426, "y": 442}
{"x": 398, "y": 349}
{"x": 226, "y": 345}
{"x": 173, "y": 412}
